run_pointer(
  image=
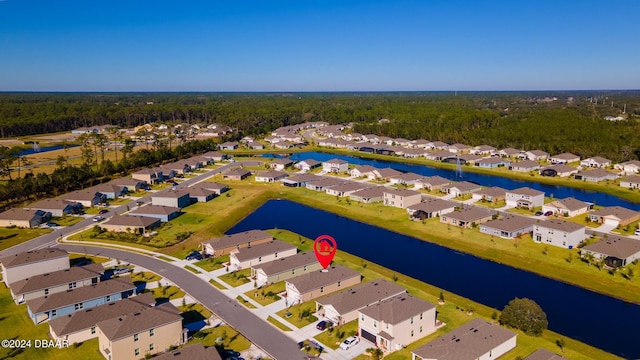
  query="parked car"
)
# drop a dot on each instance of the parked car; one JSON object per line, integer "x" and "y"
{"x": 98, "y": 218}
{"x": 548, "y": 213}
{"x": 230, "y": 355}
{"x": 103, "y": 211}
{"x": 194, "y": 256}
{"x": 349, "y": 342}
{"x": 539, "y": 213}
{"x": 324, "y": 324}
{"x": 52, "y": 224}
{"x": 121, "y": 271}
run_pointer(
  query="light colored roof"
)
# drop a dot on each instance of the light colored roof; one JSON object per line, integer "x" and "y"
{"x": 570, "y": 204}
{"x": 191, "y": 352}
{"x": 510, "y": 223}
{"x": 20, "y": 214}
{"x": 599, "y": 160}
{"x": 493, "y": 191}
{"x": 362, "y": 295}
{"x": 237, "y": 172}
{"x": 387, "y": 172}
{"x": 43, "y": 281}
{"x": 281, "y": 265}
{"x": 81, "y": 294}
{"x": 538, "y": 152}
{"x": 617, "y": 211}
{"x": 401, "y": 192}
{"x": 306, "y": 177}
{"x": 632, "y": 179}
{"x": 561, "y": 168}
{"x": 262, "y": 249}
{"x": 544, "y": 354}
{"x": 364, "y": 168}
{"x": 408, "y": 176}
{"x": 87, "y": 318}
{"x": 492, "y": 160}
{"x": 272, "y": 174}
{"x": 525, "y": 191}
{"x": 52, "y": 204}
{"x": 596, "y": 173}
{"x": 372, "y": 192}
{"x": 561, "y": 225}
{"x": 336, "y": 161}
{"x": 126, "y": 182}
{"x": 397, "y": 309}
{"x": 239, "y": 238}
{"x": 432, "y": 205}
{"x": 566, "y": 156}
{"x": 81, "y": 195}
{"x": 527, "y": 164}
{"x": 134, "y": 323}
{"x": 471, "y": 214}
{"x": 311, "y": 162}
{"x": 127, "y": 220}
{"x": 462, "y": 186}
{"x": 32, "y": 257}
{"x": 435, "y": 180}
{"x": 317, "y": 279}
{"x": 467, "y": 342}
{"x": 108, "y": 188}
{"x": 155, "y": 210}
{"x": 615, "y": 246}
{"x": 171, "y": 194}
{"x": 350, "y": 186}
{"x": 511, "y": 151}
{"x": 283, "y": 161}
{"x": 328, "y": 181}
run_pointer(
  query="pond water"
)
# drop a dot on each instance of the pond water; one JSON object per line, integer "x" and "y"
{"x": 596, "y": 319}
{"x": 44, "y": 149}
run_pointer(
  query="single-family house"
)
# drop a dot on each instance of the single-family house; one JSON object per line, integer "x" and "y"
{"x": 31, "y": 263}
{"x": 568, "y": 207}
{"x": 369, "y": 195}
{"x": 54, "y": 282}
{"x": 300, "y": 180}
{"x": 281, "y": 163}
{"x": 346, "y": 188}
{"x": 224, "y": 245}
{"x": 133, "y": 185}
{"x": 200, "y": 194}
{"x": 431, "y": 183}
{"x": 525, "y": 166}
{"x": 81, "y": 325}
{"x": 464, "y": 159}
{"x": 130, "y": 224}
{"x": 343, "y": 307}
{"x": 631, "y": 182}
{"x": 174, "y": 198}
{"x": 23, "y": 218}
{"x": 614, "y": 215}
{"x": 140, "y": 334}
{"x": 438, "y": 145}
{"x": 215, "y": 155}
{"x": 363, "y": 171}
{"x": 564, "y": 158}
{"x": 335, "y": 166}
{"x": 314, "y": 284}
{"x": 491, "y": 194}
{"x": 229, "y": 145}
{"x": 386, "y": 173}
{"x": 324, "y": 183}
{"x": 236, "y": 174}
{"x": 460, "y": 188}
{"x": 595, "y": 175}
{"x": 467, "y": 218}
{"x": 544, "y": 354}
{"x": 485, "y": 150}
{"x": 559, "y": 233}
{"x": 508, "y": 227}
{"x": 459, "y": 148}
{"x": 283, "y": 145}
{"x": 558, "y": 170}
{"x": 476, "y": 340}
{"x": 401, "y": 198}
{"x": 111, "y": 191}
{"x": 163, "y": 213}
{"x": 439, "y": 155}
{"x": 414, "y": 153}
{"x": 595, "y": 162}
{"x": 285, "y": 268}
{"x": 524, "y": 198}
{"x": 509, "y": 152}
{"x": 431, "y": 208}
{"x": 261, "y": 253}
{"x": 217, "y": 188}
{"x": 406, "y": 179}
{"x": 631, "y": 167}
{"x": 396, "y": 322}
{"x": 493, "y": 162}
{"x": 254, "y": 145}
{"x": 178, "y": 167}
{"x": 535, "y": 155}
{"x": 194, "y": 351}
{"x": 87, "y": 198}
{"x": 307, "y": 165}
{"x": 75, "y": 299}
{"x": 270, "y": 176}
{"x": 420, "y": 144}
{"x": 149, "y": 176}
{"x": 615, "y": 250}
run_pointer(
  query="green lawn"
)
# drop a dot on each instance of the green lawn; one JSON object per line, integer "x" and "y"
{"x": 75, "y": 258}
{"x": 67, "y": 220}
{"x": 261, "y": 295}
{"x": 145, "y": 276}
{"x": 277, "y": 323}
{"x": 213, "y": 263}
{"x": 296, "y": 313}
{"x": 237, "y": 278}
{"x": 164, "y": 293}
{"x": 245, "y": 302}
{"x": 217, "y": 284}
{"x": 194, "y": 312}
{"x": 192, "y": 269}
{"x": 231, "y": 339}
{"x": 332, "y": 339}
{"x": 13, "y": 236}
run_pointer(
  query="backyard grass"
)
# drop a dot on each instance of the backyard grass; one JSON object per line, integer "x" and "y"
{"x": 145, "y": 276}
{"x": 277, "y": 323}
{"x": 236, "y": 278}
{"x": 76, "y": 258}
{"x": 231, "y": 339}
{"x": 297, "y": 311}
{"x": 213, "y": 263}
{"x": 245, "y": 302}
{"x": 166, "y": 293}
{"x": 67, "y": 220}
{"x": 194, "y": 312}
{"x": 217, "y": 284}
{"x": 192, "y": 269}
{"x": 13, "y": 236}
{"x": 332, "y": 339}
{"x": 261, "y": 295}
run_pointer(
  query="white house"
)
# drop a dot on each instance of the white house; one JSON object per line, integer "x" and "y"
{"x": 524, "y": 197}
{"x": 568, "y": 207}
{"x": 559, "y": 233}
{"x": 401, "y": 198}
{"x": 631, "y": 167}
{"x": 335, "y": 166}
{"x": 596, "y": 161}
{"x": 253, "y": 256}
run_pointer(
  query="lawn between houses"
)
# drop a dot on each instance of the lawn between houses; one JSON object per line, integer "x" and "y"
{"x": 453, "y": 312}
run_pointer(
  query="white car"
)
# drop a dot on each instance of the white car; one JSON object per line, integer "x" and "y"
{"x": 98, "y": 218}
{"x": 349, "y": 342}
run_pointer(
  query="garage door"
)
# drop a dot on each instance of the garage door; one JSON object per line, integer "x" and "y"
{"x": 612, "y": 222}
{"x": 369, "y": 336}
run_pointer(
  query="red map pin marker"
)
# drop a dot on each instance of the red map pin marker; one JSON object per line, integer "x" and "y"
{"x": 325, "y": 248}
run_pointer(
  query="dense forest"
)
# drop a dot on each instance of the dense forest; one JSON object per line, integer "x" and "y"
{"x": 551, "y": 121}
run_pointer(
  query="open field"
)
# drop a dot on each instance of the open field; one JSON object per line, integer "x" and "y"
{"x": 13, "y": 236}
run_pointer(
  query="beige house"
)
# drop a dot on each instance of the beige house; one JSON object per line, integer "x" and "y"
{"x": 401, "y": 198}
{"x": 224, "y": 245}
{"x": 31, "y": 263}
{"x": 236, "y": 174}
{"x": 343, "y": 307}
{"x": 136, "y": 335}
{"x": 569, "y": 207}
{"x": 370, "y": 195}
{"x": 23, "y": 218}
{"x": 476, "y": 340}
{"x": 396, "y": 322}
{"x": 270, "y": 176}
{"x": 127, "y": 223}
{"x": 432, "y": 183}
{"x": 460, "y": 188}
{"x": 248, "y": 257}
{"x": 614, "y": 215}
{"x": 467, "y": 218}
{"x": 55, "y": 282}
{"x": 285, "y": 268}
{"x": 81, "y": 326}
{"x": 318, "y": 283}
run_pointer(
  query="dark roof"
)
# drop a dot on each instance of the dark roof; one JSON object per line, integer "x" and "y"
{"x": 60, "y": 277}
{"x": 209, "y": 185}
{"x": 286, "y": 264}
{"x": 237, "y": 172}
{"x": 127, "y": 220}
{"x": 262, "y": 249}
{"x": 48, "y": 204}
{"x": 362, "y": 295}
{"x": 77, "y": 295}
{"x": 32, "y": 257}
{"x": 238, "y": 238}
{"x": 397, "y": 309}
{"x": 317, "y": 279}
{"x": 198, "y": 191}
{"x": 171, "y": 194}
{"x": 191, "y": 352}
{"x": 470, "y": 214}
{"x": 20, "y": 214}
{"x": 544, "y": 354}
{"x": 87, "y": 318}
{"x": 137, "y": 322}
{"x": 155, "y": 210}
{"x": 467, "y": 342}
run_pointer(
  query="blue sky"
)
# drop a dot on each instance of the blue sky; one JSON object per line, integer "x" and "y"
{"x": 323, "y": 45}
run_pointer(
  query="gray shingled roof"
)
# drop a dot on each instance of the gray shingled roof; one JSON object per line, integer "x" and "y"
{"x": 561, "y": 225}
{"x": 570, "y": 204}
{"x": 433, "y": 205}
{"x": 171, "y": 194}
{"x": 134, "y": 323}
{"x": 369, "y": 193}
{"x": 127, "y": 220}
{"x": 616, "y": 246}
{"x": 282, "y": 265}
{"x": 467, "y": 342}
{"x": 510, "y": 223}
{"x": 20, "y": 214}
{"x": 435, "y": 181}
{"x": 362, "y": 295}
{"x": 239, "y": 238}
{"x": 493, "y": 191}
{"x": 544, "y": 354}
{"x": 60, "y": 277}
{"x": 263, "y": 249}
{"x": 155, "y": 209}
{"x": 471, "y": 214}
{"x": 525, "y": 191}
{"x": 272, "y": 174}
{"x": 237, "y": 172}
{"x": 617, "y": 211}
{"x": 209, "y": 185}
{"x": 191, "y": 352}
{"x": 32, "y": 257}
{"x": 527, "y": 164}
{"x": 397, "y": 309}
{"x": 401, "y": 192}
{"x": 317, "y": 279}
{"x": 462, "y": 186}
{"x": 350, "y": 186}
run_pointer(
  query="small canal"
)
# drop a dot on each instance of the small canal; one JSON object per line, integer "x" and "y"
{"x": 595, "y": 319}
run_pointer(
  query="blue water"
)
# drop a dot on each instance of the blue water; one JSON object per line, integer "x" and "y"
{"x": 558, "y": 192}
{"x": 595, "y": 319}
{"x": 44, "y": 149}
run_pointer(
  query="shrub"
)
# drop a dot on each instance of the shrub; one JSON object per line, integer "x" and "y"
{"x": 526, "y": 315}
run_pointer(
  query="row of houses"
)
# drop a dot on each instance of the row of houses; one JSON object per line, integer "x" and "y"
{"x": 80, "y": 303}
